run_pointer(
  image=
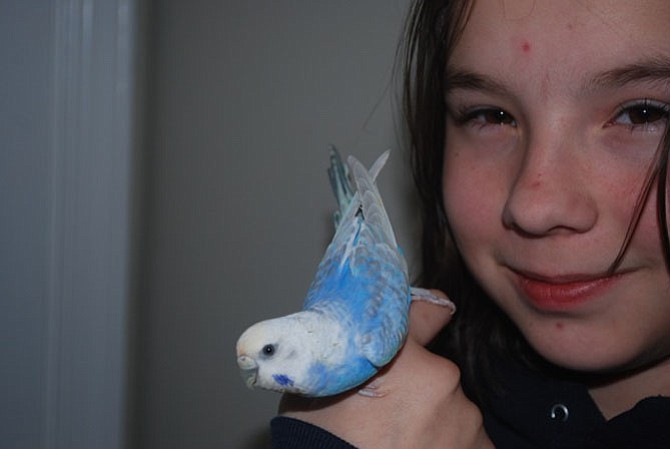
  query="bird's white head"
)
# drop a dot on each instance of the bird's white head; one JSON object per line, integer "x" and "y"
{"x": 276, "y": 354}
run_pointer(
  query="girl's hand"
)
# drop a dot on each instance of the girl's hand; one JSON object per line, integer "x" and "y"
{"x": 423, "y": 405}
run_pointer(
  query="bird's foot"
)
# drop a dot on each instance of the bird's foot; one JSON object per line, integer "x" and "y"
{"x": 422, "y": 294}
{"x": 372, "y": 390}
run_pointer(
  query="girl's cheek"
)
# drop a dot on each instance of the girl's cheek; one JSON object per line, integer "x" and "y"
{"x": 471, "y": 196}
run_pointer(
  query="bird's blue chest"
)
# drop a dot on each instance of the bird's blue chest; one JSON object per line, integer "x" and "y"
{"x": 329, "y": 379}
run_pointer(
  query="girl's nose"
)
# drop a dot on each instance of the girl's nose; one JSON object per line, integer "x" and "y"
{"x": 549, "y": 193}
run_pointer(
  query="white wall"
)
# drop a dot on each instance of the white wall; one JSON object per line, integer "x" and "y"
{"x": 67, "y": 145}
{"x": 24, "y": 224}
{"x": 245, "y": 97}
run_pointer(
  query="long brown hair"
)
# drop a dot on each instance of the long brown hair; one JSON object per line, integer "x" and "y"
{"x": 480, "y": 332}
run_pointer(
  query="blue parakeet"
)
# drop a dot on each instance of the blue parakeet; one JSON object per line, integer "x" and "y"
{"x": 355, "y": 317}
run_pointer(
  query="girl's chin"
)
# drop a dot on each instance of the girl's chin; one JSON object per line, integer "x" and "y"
{"x": 584, "y": 354}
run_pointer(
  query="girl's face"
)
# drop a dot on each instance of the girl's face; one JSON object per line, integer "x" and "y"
{"x": 555, "y": 111}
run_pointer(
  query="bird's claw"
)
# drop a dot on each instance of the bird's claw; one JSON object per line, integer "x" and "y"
{"x": 372, "y": 390}
{"x": 422, "y": 294}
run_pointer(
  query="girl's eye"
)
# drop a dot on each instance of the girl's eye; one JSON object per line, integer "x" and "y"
{"x": 485, "y": 116}
{"x": 647, "y": 115}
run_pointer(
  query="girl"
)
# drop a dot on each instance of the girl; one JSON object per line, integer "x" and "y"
{"x": 539, "y": 144}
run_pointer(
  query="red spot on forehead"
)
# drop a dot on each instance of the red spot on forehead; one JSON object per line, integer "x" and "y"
{"x": 525, "y": 46}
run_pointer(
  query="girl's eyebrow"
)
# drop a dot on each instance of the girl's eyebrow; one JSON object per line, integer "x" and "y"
{"x": 655, "y": 69}
{"x": 467, "y": 80}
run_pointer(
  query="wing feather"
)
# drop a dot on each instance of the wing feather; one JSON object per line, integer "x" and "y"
{"x": 363, "y": 276}
{"x": 378, "y": 259}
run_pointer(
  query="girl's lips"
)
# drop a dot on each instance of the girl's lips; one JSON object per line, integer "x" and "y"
{"x": 563, "y": 292}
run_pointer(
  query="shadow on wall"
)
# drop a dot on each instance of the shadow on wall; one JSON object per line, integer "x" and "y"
{"x": 259, "y": 440}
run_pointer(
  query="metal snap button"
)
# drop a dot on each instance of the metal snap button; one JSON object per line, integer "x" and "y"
{"x": 559, "y": 412}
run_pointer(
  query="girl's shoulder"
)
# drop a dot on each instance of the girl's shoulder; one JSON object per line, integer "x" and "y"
{"x": 290, "y": 433}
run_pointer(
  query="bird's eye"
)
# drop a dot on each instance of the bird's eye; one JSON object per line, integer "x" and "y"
{"x": 269, "y": 350}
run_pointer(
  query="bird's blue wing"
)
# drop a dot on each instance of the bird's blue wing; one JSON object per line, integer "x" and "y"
{"x": 363, "y": 277}
{"x": 326, "y": 283}
{"x": 378, "y": 263}
{"x": 333, "y": 271}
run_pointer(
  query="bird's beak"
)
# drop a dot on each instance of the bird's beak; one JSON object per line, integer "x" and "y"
{"x": 248, "y": 369}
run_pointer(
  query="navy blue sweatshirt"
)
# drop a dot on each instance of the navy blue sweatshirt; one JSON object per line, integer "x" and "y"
{"x": 534, "y": 411}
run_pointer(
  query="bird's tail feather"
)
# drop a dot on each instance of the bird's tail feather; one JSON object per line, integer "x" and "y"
{"x": 370, "y": 198}
{"x": 340, "y": 183}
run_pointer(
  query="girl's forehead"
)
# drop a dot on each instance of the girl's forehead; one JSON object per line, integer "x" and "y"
{"x": 561, "y": 38}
